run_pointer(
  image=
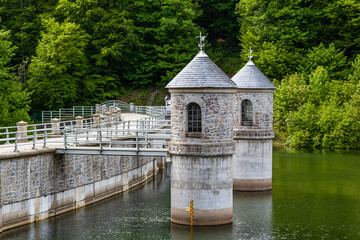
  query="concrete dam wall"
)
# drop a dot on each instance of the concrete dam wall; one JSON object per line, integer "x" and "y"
{"x": 35, "y": 185}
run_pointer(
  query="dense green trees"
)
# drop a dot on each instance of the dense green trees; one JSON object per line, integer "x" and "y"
{"x": 317, "y": 111}
{"x": 14, "y": 102}
{"x": 283, "y": 33}
{"x": 82, "y": 52}
{"x": 60, "y": 65}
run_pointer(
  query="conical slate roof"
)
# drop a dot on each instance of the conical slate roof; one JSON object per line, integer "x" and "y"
{"x": 250, "y": 77}
{"x": 201, "y": 72}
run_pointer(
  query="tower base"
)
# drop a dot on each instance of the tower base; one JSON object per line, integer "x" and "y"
{"x": 252, "y": 185}
{"x": 202, "y": 217}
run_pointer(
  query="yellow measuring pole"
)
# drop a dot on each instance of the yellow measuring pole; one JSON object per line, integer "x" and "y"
{"x": 191, "y": 212}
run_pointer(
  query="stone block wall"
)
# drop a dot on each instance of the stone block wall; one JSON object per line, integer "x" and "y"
{"x": 212, "y": 105}
{"x": 39, "y": 184}
{"x": 216, "y": 138}
{"x": 262, "y": 109}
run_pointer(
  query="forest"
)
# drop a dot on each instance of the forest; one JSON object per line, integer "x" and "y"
{"x": 61, "y": 53}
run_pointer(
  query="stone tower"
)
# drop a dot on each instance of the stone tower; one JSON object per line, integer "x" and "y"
{"x": 253, "y": 130}
{"x": 202, "y": 144}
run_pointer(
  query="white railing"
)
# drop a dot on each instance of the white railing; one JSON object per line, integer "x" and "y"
{"x": 88, "y": 111}
{"x": 68, "y": 113}
{"x": 134, "y": 133}
{"x": 43, "y": 134}
{"x": 125, "y": 107}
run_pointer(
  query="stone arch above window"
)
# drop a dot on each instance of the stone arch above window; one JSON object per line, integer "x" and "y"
{"x": 194, "y": 124}
{"x": 246, "y": 113}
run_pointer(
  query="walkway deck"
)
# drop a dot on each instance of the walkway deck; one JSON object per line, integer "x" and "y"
{"x": 58, "y": 142}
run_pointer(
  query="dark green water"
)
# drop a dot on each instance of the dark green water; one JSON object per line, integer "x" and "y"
{"x": 315, "y": 196}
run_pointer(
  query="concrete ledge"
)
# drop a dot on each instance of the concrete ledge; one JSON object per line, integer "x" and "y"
{"x": 252, "y": 185}
{"x": 202, "y": 217}
{"x": 254, "y": 134}
{"x": 41, "y": 207}
{"x": 202, "y": 149}
{"x": 6, "y": 156}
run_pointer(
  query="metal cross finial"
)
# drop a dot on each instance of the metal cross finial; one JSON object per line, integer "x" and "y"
{"x": 201, "y": 45}
{"x": 250, "y": 56}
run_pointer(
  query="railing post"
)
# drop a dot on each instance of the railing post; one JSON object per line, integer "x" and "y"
{"x": 75, "y": 138}
{"x": 34, "y": 140}
{"x": 16, "y": 142}
{"x": 119, "y": 114}
{"x": 82, "y": 109}
{"x": 22, "y": 131}
{"x": 108, "y": 119}
{"x": 7, "y": 136}
{"x": 103, "y": 109}
{"x": 60, "y": 113}
{"x": 112, "y": 109}
{"x": 137, "y": 141}
{"x": 131, "y": 107}
{"x": 96, "y": 119}
{"x": 110, "y": 138}
{"x": 129, "y": 127}
{"x": 45, "y": 138}
{"x": 97, "y": 108}
{"x": 79, "y": 121}
{"x": 55, "y": 126}
{"x": 143, "y": 126}
{"x": 100, "y": 139}
{"x": 65, "y": 137}
{"x": 146, "y": 139}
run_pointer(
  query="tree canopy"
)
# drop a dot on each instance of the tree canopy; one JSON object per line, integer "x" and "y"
{"x": 60, "y": 53}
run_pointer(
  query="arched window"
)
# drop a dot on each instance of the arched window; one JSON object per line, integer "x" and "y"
{"x": 246, "y": 113}
{"x": 194, "y": 118}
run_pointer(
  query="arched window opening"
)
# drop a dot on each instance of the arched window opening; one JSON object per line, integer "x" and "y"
{"x": 246, "y": 113}
{"x": 194, "y": 118}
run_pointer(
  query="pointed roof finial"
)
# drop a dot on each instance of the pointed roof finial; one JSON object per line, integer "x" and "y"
{"x": 201, "y": 45}
{"x": 250, "y": 56}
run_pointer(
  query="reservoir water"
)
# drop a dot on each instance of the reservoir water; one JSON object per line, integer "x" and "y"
{"x": 316, "y": 195}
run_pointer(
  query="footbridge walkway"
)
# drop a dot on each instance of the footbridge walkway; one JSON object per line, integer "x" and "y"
{"x": 115, "y": 128}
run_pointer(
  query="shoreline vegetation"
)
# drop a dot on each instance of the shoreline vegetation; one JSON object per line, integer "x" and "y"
{"x": 57, "y": 54}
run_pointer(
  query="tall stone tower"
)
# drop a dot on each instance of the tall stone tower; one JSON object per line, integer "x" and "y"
{"x": 202, "y": 144}
{"x": 253, "y": 129}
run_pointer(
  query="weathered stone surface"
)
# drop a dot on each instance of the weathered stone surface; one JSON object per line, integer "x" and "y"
{"x": 37, "y": 186}
{"x": 252, "y": 161}
{"x": 208, "y": 182}
{"x": 254, "y": 133}
{"x": 217, "y": 117}
{"x": 262, "y": 109}
{"x": 202, "y": 162}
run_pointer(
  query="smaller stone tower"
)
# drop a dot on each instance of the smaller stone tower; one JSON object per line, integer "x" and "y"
{"x": 253, "y": 129}
{"x": 202, "y": 144}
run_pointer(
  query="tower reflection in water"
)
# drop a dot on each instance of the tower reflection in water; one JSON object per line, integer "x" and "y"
{"x": 252, "y": 220}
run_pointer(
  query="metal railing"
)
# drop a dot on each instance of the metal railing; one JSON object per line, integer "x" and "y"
{"x": 135, "y": 134}
{"x": 88, "y": 111}
{"x": 125, "y": 107}
{"x": 44, "y": 134}
{"x": 68, "y": 113}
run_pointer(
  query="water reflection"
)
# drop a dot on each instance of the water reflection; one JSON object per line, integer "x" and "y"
{"x": 252, "y": 220}
{"x": 315, "y": 196}
{"x": 253, "y": 215}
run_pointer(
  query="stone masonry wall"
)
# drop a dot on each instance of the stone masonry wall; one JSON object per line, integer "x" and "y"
{"x": 36, "y": 186}
{"x": 217, "y": 132}
{"x": 262, "y": 109}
